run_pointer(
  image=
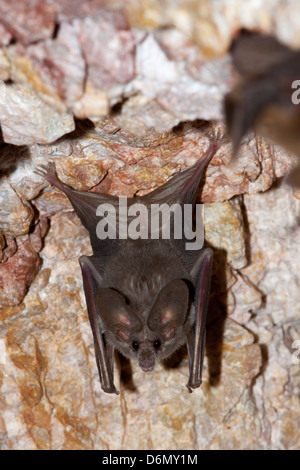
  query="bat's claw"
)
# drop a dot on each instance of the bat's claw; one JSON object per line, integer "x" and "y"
{"x": 49, "y": 173}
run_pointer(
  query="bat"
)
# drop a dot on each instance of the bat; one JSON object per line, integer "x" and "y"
{"x": 145, "y": 297}
{"x": 267, "y": 97}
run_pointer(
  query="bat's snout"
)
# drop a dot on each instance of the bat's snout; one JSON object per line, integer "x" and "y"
{"x": 147, "y": 360}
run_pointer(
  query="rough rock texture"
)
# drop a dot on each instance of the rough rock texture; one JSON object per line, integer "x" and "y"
{"x": 25, "y": 119}
{"x": 20, "y": 264}
{"x": 29, "y": 20}
{"x": 139, "y": 71}
{"x": 212, "y": 23}
{"x": 85, "y": 58}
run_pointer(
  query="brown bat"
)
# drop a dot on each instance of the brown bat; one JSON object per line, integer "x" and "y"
{"x": 145, "y": 297}
{"x": 267, "y": 98}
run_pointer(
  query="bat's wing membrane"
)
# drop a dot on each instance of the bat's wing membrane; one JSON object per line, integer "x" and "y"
{"x": 85, "y": 204}
{"x": 103, "y": 351}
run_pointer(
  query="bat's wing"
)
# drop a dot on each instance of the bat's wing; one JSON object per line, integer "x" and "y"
{"x": 92, "y": 280}
{"x": 201, "y": 275}
{"x": 243, "y": 105}
{"x": 179, "y": 191}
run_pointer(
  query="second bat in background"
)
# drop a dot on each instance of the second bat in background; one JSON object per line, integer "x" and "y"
{"x": 266, "y": 98}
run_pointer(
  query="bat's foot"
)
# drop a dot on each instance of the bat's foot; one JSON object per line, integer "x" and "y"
{"x": 218, "y": 138}
{"x": 49, "y": 173}
{"x": 191, "y": 386}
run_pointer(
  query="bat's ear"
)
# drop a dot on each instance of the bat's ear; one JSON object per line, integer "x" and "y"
{"x": 170, "y": 309}
{"x": 115, "y": 314}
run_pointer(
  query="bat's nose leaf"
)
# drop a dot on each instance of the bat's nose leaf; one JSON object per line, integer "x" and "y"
{"x": 146, "y": 360}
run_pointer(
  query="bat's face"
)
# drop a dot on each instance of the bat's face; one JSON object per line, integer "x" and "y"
{"x": 146, "y": 336}
{"x": 266, "y": 99}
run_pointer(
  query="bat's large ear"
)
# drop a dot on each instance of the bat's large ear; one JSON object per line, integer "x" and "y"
{"x": 170, "y": 309}
{"x": 115, "y": 314}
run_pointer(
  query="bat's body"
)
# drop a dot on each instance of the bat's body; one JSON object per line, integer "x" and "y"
{"x": 263, "y": 99}
{"x": 145, "y": 297}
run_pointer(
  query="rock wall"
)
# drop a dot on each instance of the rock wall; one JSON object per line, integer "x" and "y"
{"x": 121, "y": 96}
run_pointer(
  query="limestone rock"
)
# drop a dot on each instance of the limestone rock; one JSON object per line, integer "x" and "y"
{"x": 108, "y": 158}
{"x": 153, "y": 56}
{"x": 57, "y": 380}
{"x": 212, "y": 25}
{"x": 15, "y": 215}
{"x": 18, "y": 271}
{"x": 29, "y": 20}
{"x": 55, "y": 68}
{"x": 145, "y": 74}
{"x": 187, "y": 93}
{"x": 4, "y": 67}
{"x": 5, "y": 36}
{"x": 228, "y": 233}
{"x": 26, "y": 119}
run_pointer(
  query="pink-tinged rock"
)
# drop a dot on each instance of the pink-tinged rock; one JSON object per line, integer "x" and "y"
{"x": 2, "y": 245}
{"x": 259, "y": 164}
{"x": 15, "y": 215}
{"x": 26, "y": 119}
{"x": 55, "y": 68}
{"x": 28, "y": 20}
{"x": 92, "y": 105}
{"x": 185, "y": 95}
{"x": 224, "y": 230}
{"x": 51, "y": 369}
{"x": 4, "y": 66}
{"x": 9, "y": 247}
{"x": 140, "y": 113}
{"x": 125, "y": 164}
{"x": 213, "y": 25}
{"x": 85, "y": 68}
{"x": 5, "y": 36}
{"x": 69, "y": 10}
{"x": 108, "y": 47}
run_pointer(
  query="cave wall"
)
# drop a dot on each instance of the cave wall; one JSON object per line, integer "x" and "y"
{"x": 121, "y": 96}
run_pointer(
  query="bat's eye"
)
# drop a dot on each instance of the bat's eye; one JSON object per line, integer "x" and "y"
{"x": 135, "y": 345}
{"x": 157, "y": 344}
